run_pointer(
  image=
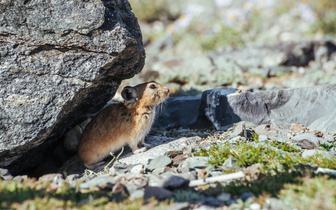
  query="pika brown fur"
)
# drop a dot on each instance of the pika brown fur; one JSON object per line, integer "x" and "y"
{"x": 121, "y": 124}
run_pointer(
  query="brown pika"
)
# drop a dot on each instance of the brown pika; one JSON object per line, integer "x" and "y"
{"x": 121, "y": 124}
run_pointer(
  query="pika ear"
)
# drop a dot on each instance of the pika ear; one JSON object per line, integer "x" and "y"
{"x": 129, "y": 94}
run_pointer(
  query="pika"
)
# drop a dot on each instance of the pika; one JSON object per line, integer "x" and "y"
{"x": 121, "y": 124}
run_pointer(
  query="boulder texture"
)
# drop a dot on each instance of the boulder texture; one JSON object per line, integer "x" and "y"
{"x": 314, "y": 107}
{"x": 60, "y": 61}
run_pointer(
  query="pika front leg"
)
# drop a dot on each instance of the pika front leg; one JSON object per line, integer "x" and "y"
{"x": 146, "y": 145}
{"x": 135, "y": 149}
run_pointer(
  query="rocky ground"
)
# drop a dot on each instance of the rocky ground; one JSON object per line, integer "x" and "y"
{"x": 247, "y": 166}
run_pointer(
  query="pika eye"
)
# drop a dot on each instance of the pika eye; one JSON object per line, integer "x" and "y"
{"x": 152, "y": 86}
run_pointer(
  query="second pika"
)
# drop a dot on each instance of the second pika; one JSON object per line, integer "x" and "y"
{"x": 121, "y": 124}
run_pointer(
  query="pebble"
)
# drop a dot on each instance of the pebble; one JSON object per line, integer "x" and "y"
{"x": 306, "y": 136}
{"x": 105, "y": 181}
{"x": 225, "y": 197}
{"x": 138, "y": 169}
{"x": 159, "y": 162}
{"x": 255, "y": 206}
{"x": 175, "y": 182}
{"x": 262, "y": 138}
{"x": 195, "y": 162}
{"x": 156, "y": 192}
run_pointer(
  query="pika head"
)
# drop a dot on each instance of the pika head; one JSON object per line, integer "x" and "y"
{"x": 147, "y": 94}
{"x": 121, "y": 124}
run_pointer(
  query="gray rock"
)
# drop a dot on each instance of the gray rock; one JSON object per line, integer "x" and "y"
{"x": 60, "y": 62}
{"x": 307, "y": 136}
{"x": 5, "y": 175}
{"x": 179, "y": 206}
{"x": 306, "y": 144}
{"x": 157, "y": 192}
{"x": 225, "y": 197}
{"x": 159, "y": 162}
{"x": 137, "y": 193}
{"x": 178, "y": 112}
{"x": 267, "y": 130}
{"x": 262, "y": 138}
{"x": 54, "y": 178}
{"x": 195, "y": 162}
{"x": 161, "y": 145}
{"x": 72, "y": 179}
{"x": 247, "y": 196}
{"x": 105, "y": 181}
{"x": 312, "y": 107}
{"x": 175, "y": 182}
{"x": 255, "y": 206}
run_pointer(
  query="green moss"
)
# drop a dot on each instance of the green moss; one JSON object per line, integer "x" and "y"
{"x": 273, "y": 156}
{"x": 312, "y": 193}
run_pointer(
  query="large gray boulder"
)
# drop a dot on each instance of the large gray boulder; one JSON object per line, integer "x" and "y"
{"x": 314, "y": 107}
{"x": 60, "y": 61}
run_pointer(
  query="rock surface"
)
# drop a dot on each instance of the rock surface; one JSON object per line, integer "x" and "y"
{"x": 219, "y": 108}
{"x": 59, "y": 62}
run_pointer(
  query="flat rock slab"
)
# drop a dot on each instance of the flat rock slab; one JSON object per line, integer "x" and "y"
{"x": 313, "y": 107}
{"x": 184, "y": 144}
{"x": 60, "y": 62}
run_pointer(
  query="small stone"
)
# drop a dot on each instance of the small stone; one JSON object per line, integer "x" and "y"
{"x": 173, "y": 154}
{"x": 120, "y": 189}
{"x": 156, "y": 192}
{"x": 179, "y": 206}
{"x": 267, "y": 130}
{"x": 224, "y": 197}
{"x": 5, "y": 175}
{"x": 178, "y": 159}
{"x": 212, "y": 201}
{"x": 18, "y": 179}
{"x": 183, "y": 170}
{"x": 306, "y": 144}
{"x": 175, "y": 182}
{"x": 247, "y": 196}
{"x": 188, "y": 175}
{"x": 72, "y": 179}
{"x": 162, "y": 170}
{"x": 138, "y": 169}
{"x": 298, "y": 128}
{"x": 160, "y": 161}
{"x": 195, "y": 162}
{"x": 101, "y": 182}
{"x": 54, "y": 178}
{"x": 262, "y": 138}
{"x": 255, "y": 206}
{"x": 137, "y": 193}
{"x": 306, "y": 136}
{"x": 205, "y": 144}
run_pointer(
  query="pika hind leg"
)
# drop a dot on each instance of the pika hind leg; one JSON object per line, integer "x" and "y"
{"x": 93, "y": 166}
